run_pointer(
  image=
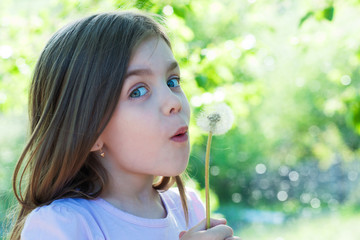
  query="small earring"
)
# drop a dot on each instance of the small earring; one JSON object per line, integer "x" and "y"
{"x": 102, "y": 154}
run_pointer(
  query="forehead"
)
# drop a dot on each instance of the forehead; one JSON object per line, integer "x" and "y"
{"x": 150, "y": 52}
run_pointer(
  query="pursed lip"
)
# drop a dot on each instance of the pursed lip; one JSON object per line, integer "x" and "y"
{"x": 181, "y": 131}
{"x": 181, "y": 135}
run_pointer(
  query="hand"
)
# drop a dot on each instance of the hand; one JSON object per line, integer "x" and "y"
{"x": 217, "y": 231}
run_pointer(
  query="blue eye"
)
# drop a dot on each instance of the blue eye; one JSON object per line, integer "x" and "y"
{"x": 174, "y": 82}
{"x": 140, "y": 91}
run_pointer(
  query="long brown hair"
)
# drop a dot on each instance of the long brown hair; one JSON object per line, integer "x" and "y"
{"x": 74, "y": 91}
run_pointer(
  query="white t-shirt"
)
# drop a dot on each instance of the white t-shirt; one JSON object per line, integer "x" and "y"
{"x": 80, "y": 219}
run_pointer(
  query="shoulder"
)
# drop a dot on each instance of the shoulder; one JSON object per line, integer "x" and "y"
{"x": 62, "y": 219}
{"x": 191, "y": 195}
{"x": 195, "y": 206}
{"x": 73, "y": 207}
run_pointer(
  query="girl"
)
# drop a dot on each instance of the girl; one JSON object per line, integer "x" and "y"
{"x": 109, "y": 137}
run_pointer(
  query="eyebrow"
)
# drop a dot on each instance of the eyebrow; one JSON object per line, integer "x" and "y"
{"x": 147, "y": 71}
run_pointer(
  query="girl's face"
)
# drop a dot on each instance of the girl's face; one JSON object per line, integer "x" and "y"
{"x": 147, "y": 133}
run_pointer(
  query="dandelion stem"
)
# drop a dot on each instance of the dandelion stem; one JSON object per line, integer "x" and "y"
{"x": 207, "y": 166}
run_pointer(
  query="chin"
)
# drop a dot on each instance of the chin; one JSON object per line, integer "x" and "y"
{"x": 180, "y": 170}
{"x": 175, "y": 171}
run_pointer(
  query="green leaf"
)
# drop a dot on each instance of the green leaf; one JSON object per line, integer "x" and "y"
{"x": 201, "y": 80}
{"x": 353, "y": 115}
{"x": 328, "y": 13}
{"x": 144, "y": 4}
{"x": 304, "y": 18}
{"x": 179, "y": 11}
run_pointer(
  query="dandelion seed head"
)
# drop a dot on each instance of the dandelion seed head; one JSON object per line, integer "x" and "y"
{"x": 216, "y": 118}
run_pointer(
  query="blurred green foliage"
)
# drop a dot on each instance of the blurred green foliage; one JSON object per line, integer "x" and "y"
{"x": 288, "y": 68}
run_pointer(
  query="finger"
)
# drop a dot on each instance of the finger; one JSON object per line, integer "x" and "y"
{"x": 221, "y": 231}
{"x": 215, "y": 222}
{"x": 233, "y": 238}
{"x": 202, "y": 225}
{"x": 181, "y": 234}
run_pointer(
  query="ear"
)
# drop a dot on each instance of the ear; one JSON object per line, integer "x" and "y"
{"x": 98, "y": 145}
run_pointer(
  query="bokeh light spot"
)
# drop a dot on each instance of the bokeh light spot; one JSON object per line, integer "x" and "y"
{"x": 260, "y": 168}
{"x": 283, "y": 171}
{"x": 282, "y": 196}
{"x": 305, "y": 198}
{"x": 345, "y": 80}
{"x": 248, "y": 42}
{"x": 352, "y": 175}
{"x": 6, "y": 51}
{"x": 315, "y": 203}
{"x": 293, "y": 176}
{"x": 168, "y": 10}
{"x": 196, "y": 101}
{"x": 236, "y": 197}
{"x": 215, "y": 170}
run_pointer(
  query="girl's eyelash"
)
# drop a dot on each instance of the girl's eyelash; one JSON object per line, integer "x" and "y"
{"x": 171, "y": 83}
{"x": 134, "y": 97}
{"x": 178, "y": 78}
{"x": 132, "y": 92}
{"x": 175, "y": 76}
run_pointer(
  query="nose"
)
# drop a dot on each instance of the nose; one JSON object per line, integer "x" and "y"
{"x": 171, "y": 102}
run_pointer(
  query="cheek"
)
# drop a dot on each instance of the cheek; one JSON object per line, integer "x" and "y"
{"x": 131, "y": 139}
{"x": 131, "y": 134}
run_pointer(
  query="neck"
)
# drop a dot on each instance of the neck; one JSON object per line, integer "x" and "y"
{"x": 133, "y": 193}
